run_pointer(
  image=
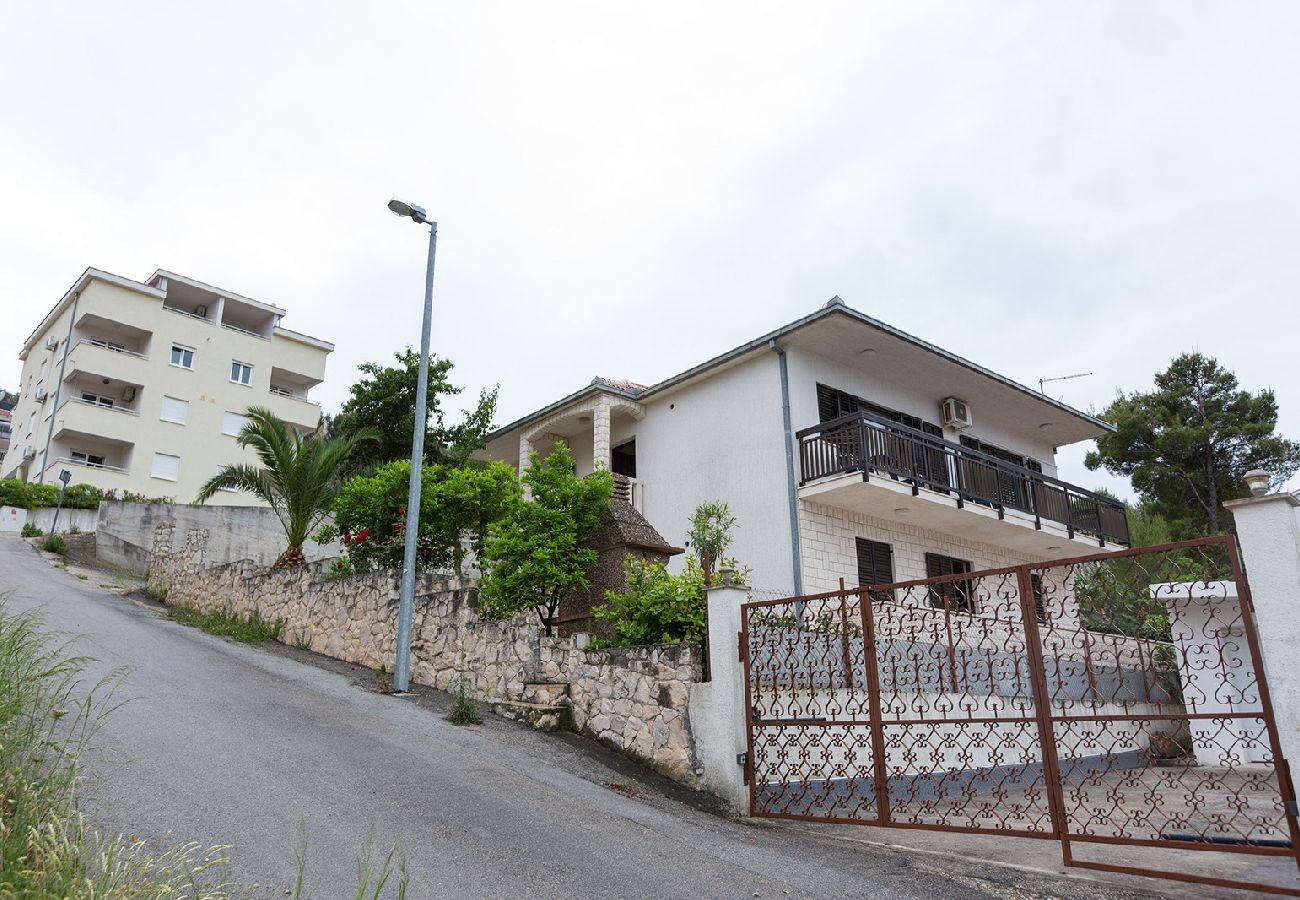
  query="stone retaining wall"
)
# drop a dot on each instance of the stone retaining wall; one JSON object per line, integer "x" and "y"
{"x": 633, "y": 699}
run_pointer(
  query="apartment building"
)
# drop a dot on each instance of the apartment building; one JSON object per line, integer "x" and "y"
{"x": 142, "y": 386}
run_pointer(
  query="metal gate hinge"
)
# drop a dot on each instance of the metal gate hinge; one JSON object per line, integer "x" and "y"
{"x": 1293, "y": 809}
{"x": 740, "y": 647}
{"x": 742, "y": 759}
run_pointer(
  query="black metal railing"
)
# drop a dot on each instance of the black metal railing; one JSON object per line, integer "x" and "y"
{"x": 864, "y": 443}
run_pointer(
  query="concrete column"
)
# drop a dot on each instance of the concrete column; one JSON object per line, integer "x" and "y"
{"x": 600, "y": 449}
{"x": 717, "y": 707}
{"x": 525, "y": 451}
{"x": 1268, "y": 527}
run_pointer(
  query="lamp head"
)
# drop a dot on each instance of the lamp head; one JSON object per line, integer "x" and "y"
{"x": 409, "y": 210}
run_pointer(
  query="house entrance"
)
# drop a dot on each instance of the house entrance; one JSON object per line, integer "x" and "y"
{"x": 1114, "y": 703}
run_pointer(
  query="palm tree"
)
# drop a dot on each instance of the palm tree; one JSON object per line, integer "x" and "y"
{"x": 298, "y": 477}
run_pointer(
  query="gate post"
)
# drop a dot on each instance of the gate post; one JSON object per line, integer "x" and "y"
{"x": 717, "y": 707}
{"x": 1268, "y": 528}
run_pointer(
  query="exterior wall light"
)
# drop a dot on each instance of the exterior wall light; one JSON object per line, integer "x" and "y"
{"x": 1257, "y": 480}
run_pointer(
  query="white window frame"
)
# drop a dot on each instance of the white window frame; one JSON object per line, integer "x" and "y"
{"x": 153, "y": 469}
{"x": 98, "y": 400}
{"x": 241, "y": 368}
{"x": 93, "y": 460}
{"x": 183, "y": 348}
{"x": 185, "y": 410}
{"x": 225, "y": 419}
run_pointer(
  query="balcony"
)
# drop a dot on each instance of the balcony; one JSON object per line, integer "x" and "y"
{"x": 293, "y": 408}
{"x": 76, "y": 417}
{"x": 948, "y": 481}
{"x": 92, "y": 356}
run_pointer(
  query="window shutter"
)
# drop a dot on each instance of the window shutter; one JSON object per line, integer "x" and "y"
{"x": 232, "y": 423}
{"x": 166, "y": 466}
{"x": 827, "y": 404}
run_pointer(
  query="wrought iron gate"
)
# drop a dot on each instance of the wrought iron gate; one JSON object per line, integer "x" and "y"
{"x": 1113, "y": 699}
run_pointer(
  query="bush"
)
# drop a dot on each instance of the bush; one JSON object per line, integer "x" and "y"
{"x": 657, "y": 607}
{"x": 55, "y": 544}
{"x": 247, "y": 629}
{"x": 81, "y": 496}
{"x": 29, "y": 495}
{"x": 30, "y": 530}
{"x": 457, "y": 504}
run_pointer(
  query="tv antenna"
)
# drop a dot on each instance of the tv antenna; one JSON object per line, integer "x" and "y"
{"x": 1043, "y": 381}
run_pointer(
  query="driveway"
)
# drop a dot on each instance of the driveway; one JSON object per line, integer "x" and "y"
{"x": 229, "y": 744}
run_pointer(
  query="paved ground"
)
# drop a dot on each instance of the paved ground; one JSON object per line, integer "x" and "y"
{"x": 222, "y": 743}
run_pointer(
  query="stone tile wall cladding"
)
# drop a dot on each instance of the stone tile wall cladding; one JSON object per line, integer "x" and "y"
{"x": 633, "y": 699}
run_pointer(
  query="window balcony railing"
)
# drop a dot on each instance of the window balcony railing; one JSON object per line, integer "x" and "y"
{"x": 107, "y": 345}
{"x": 69, "y": 461}
{"x": 864, "y": 443}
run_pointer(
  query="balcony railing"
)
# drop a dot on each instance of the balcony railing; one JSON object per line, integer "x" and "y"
{"x": 864, "y": 443}
{"x": 108, "y": 345}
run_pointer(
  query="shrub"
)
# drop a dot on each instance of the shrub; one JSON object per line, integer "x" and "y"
{"x": 248, "y": 629}
{"x": 457, "y": 504}
{"x": 29, "y": 495}
{"x": 30, "y": 530}
{"x": 657, "y": 607}
{"x": 463, "y": 710}
{"x": 81, "y": 496}
{"x": 55, "y": 544}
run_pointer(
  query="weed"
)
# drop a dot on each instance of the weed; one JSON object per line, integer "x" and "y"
{"x": 225, "y": 622}
{"x": 463, "y": 710}
{"x": 30, "y": 530}
{"x": 303, "y": 640}
{"x": 83, "y": 577}
{"x": 55, "y": 544}
{"x": 73, "y": 529}
{"x": 383, "y": 679}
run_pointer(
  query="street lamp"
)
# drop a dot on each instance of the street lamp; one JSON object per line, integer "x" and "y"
{"x": 402, "y": 668}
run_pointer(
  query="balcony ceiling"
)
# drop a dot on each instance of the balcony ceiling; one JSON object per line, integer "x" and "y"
{"x": 843, "y": 339}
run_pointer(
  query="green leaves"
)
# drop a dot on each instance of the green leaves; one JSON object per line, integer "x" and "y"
{"x": 298, "y": 476}
{"x": 456, "y": 505}
{"x": 657, "y": 607}
{"x": 534, "y": 556}
{"x": 385, "y": 399}
{"x": 1186, "y": 445}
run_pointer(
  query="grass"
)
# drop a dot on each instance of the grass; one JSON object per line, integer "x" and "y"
{"x": 55, "y": 544}
{"x": 463, "y": 709}
{"x": 225, "y": 622}
{"x": 48, "y": 719}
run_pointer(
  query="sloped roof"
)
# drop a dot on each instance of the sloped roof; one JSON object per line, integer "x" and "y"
{"x": 625, "y": 527}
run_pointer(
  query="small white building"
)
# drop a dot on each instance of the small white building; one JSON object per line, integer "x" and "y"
{"x": 847, "y": 449}
{"x": 141, "y": 386}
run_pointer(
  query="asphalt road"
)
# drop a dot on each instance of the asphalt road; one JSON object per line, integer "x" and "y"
{"x": 228, "y": 744}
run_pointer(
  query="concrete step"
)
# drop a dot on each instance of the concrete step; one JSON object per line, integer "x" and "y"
{"x": 542, "y": 716}
{"x": 547, "y": 693}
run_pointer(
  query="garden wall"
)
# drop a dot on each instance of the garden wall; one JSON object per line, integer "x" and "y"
{"x": 632, "y": 699}
{"x": 13, "y": 518}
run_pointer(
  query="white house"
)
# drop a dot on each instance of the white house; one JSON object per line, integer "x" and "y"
{"x": 847, "y": 449}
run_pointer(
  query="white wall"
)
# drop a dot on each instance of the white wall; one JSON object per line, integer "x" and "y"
{"x": 12, "y": 519}
{"x": 721, "y": 439}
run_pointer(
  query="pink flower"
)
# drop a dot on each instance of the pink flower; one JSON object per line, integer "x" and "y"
{"x": 363, "y": 534}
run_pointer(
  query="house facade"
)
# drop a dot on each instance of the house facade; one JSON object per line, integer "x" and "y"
{"x": 847, "y": 449}
{"x": 142, "y": 386}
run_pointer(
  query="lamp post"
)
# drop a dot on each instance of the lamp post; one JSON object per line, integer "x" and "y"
{"x": 402, "y": 667}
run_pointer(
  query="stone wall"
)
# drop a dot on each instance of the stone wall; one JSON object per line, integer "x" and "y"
{"x": 631, "y": 699}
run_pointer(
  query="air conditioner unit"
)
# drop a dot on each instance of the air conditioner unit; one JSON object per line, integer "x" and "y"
{"x": 128, "y": 393}
{"x": 29, "y": 452}
{"x": 956, "y": 413}
{"x": 41, "y": 394}
{"x": 51, "y": 343}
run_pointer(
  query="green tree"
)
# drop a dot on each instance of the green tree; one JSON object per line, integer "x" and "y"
{"x": 710, "y": 534}
{"x": 1187, "y": 444}
{"x": 658, "y": 607}
{"x": 385, "y": 400}
{"x": 457, "y": 505}
{"x": 534, "y": 557}
{"x": 298, "y": 477}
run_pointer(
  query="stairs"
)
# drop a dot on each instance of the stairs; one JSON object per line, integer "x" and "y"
{"x": 543, "y": 705}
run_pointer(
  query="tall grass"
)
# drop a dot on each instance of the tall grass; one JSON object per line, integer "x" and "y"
{"x": 47, "y": 720}
{"x": 225, "y": 622}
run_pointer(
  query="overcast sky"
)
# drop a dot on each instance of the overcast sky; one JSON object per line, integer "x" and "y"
{"x": 625, "y": 191}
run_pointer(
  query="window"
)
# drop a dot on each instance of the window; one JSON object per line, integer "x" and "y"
{"x": 241, "y": 373}
{"x": 182, "y": 356}
{"x": 220, "y": 470}
{"x": 232, "y": 424}
{"x": 623, "y": 459}
{"x": 957, "y": 595}
{"x": 1040, "y": 605}
{"x": 875, "y": 566}
{"x": 166, "y": 467}
{"x": 97, "y": 399}
{"x": 88, "y": 459}
{"x": 174, "y": 410}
